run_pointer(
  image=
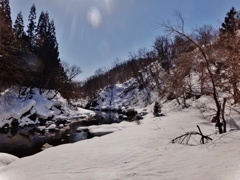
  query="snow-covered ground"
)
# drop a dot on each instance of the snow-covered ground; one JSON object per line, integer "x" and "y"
{"x": 99, "y": 130}
{"x": 6, "y": 159}
{"x": 138, "y": 152}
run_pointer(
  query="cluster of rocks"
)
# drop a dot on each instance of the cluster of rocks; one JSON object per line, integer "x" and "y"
{"x": 37, "y": 108}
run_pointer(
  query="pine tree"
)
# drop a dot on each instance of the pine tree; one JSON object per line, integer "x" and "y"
{"x": 31, "y": 27}
{"x": 47, "y": 52}
{"x": 18, "y": 27}
{"x": 229, "y": 25}
{"x": 19, "y": 33}
{"x": 10, "y": 69}
{"x": 6, "y": 23}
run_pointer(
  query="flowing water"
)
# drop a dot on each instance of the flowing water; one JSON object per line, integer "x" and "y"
{"x": 28, "y": 141}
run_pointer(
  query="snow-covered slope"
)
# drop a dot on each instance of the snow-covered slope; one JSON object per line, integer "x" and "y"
{"x": 139, "y": 152}
{"x": 137, "y": 92}
{"x": 128, "y": 94}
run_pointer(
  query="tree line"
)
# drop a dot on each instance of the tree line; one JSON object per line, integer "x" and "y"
{"x": 163, "y": 51}
{"x": 31, "y": 58}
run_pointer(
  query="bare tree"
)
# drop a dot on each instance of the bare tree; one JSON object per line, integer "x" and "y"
{"x": 71, "y": 71}
{"x": 204, "y": 54}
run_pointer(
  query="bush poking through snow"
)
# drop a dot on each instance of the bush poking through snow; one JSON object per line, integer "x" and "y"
{"x": 186, "y": 138}
{"x": 157, "y": 109}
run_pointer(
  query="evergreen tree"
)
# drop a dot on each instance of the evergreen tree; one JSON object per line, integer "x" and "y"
{"x": 10, "y": 69}
{"x": 6, "y": 23}
{"x": 47, "y": 52}
{"x": 31, "y": 27}
{"x": 229, "y": 25}
{"x": 18, "y": 27}
{"x": 18, "y": 32}
{"x": 7, "y": 12}
{"x": 41, "y": 29}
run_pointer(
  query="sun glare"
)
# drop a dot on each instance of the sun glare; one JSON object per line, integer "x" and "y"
{"x": 94, "y": 17}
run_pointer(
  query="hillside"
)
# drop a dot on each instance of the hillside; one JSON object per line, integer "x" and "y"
{"x": 123, "y": 95}
{"x": 136, "y": 92}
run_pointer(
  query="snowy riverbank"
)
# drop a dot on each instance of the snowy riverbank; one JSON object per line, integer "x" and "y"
{"x": 26, "y": 106}
{"x": 138, "y": 152}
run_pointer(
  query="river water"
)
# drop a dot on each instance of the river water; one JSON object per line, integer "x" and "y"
{"x": 28, "y": 141}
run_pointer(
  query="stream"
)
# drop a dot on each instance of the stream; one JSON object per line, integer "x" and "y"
{"x": 27, "y": 141}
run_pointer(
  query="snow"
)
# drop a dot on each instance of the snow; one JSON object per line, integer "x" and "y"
{"x": 6, "y": 159}
{"x": 20, "y": 104}
{"x": 25, "y": 121}
{"x": 14, "y": 108}
{"x": 106, "y": 128}
{"x": 41, "y": 128}
{"x": 52, "y": 127}
{"x": 138, "y": 152}
{"x": 123, "y": 95}
{"x": 131, "y": 151}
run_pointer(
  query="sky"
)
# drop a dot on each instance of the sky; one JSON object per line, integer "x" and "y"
{"x": 94, "y": 33}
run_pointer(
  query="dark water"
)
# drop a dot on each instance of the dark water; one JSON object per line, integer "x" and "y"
{"x": 28, "y": 141}
{"x": 107, "y": 117}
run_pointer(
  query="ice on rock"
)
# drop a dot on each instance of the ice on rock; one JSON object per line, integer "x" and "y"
{"x": 52, "y": 127}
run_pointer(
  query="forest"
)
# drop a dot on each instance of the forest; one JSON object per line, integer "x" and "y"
{"x": 31, "y": 58}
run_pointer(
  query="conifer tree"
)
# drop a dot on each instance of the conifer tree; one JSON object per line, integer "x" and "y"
{"x": 31, "y": 27}
{"x": 229, "y": 25}
{"x": 18, "y": 27}
{"x": 41, "y": 29}
{"x": 47, "y": 52}
{"x": 10, "y": 69}
{"x": 18, "y": 32}
{"x": 6, "y": 23}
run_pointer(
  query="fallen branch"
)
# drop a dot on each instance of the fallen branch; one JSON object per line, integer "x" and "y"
{"x": 185, "y": 138}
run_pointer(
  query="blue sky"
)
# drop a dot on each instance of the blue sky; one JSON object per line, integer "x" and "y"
{"x": 93, "y": 33}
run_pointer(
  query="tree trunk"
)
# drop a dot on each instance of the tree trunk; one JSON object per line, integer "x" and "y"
{"x": 218, "y": 123}
{"x": 223, "y": 116}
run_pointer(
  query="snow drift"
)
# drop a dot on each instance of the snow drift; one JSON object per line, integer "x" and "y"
{"x": 6, "y": 159}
